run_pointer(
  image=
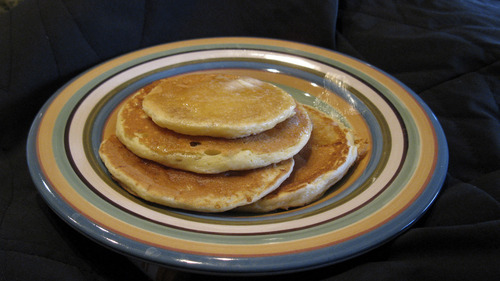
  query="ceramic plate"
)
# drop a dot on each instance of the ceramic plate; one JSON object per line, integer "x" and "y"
{"x": 384, "y": 194}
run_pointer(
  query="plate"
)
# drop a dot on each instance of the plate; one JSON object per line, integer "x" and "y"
{"x": 383, "y": 195}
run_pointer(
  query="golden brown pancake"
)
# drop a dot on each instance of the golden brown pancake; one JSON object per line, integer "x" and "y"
{"x": 325, "y": 159}
{"x": 207, "y": 155}
{"x": 185, "y": 190}
{"x": 217, "y": 105}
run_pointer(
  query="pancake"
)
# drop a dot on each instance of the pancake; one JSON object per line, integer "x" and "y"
{"x": 217, "y": 105}
{"x": 208, "y": 155}
{"x": 325, "y": 159}
{"x": 185, "y": 190}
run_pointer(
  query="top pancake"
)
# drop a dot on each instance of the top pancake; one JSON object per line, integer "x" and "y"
{"x": 202, "y": 154}
{"x": 326, "y": 158}
{"x": 217, "y": 105}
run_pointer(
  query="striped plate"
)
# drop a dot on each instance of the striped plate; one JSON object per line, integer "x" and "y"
{"x": 387, "y": 191}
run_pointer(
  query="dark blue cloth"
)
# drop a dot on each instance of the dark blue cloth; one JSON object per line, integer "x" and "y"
{"x": 448, "y": 52}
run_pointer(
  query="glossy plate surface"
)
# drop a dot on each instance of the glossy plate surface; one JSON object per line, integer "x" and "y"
{"x": 387, "y": 191}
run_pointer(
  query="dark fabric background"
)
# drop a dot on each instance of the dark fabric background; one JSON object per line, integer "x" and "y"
{"x": 448, "y": 52}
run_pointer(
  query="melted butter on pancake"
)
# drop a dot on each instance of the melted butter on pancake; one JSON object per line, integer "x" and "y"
{"x": 203, "y": 154}
{"x": 190, "y": 191}
{"x": 217, "y": 105}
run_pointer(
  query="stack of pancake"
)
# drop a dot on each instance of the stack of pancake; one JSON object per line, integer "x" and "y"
{"x": 218, "y": 142}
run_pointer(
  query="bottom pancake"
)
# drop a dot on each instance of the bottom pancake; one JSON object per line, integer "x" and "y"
{"x": 186, "y": 190}
{"x": 324, "y": 160}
